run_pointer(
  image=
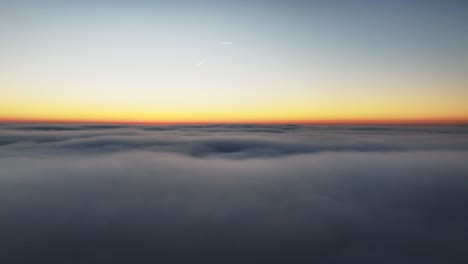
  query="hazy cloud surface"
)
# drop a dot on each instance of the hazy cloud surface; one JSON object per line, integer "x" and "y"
{"x": 233, "y": 194}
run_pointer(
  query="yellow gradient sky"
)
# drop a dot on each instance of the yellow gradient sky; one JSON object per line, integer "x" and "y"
{"x": 244, "y": 62}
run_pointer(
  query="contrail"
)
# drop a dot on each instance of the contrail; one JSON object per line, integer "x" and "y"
{"x": 201, "y": 62}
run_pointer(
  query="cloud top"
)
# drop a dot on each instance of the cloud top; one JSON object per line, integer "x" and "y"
{"x": 233, "y": 194}
{"x": 231, "y": 141}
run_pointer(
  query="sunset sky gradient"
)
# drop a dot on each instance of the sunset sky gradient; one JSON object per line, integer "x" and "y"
{"x": 220, "y": 61}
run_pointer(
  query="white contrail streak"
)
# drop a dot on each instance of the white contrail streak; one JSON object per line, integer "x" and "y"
{"x": 201, "y": 62}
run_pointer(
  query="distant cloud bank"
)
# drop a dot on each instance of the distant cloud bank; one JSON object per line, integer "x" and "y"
{"x": 229, "y": 141}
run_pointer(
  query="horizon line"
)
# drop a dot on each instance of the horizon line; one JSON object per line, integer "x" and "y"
{"x": 387, "y": 121}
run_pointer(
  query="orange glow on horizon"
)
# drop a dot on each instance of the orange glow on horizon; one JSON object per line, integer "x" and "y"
{"x": 354, "y": 121}
{"x": 287, "y": 112}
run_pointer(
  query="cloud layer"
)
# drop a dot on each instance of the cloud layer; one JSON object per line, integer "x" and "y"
{"x": 233, "y": 194}
{"x": 230, "y": 141}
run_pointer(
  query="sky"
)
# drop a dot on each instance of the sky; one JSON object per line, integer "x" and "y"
{"x": 234, "y": 61}
{"x": 107, "y": 193}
